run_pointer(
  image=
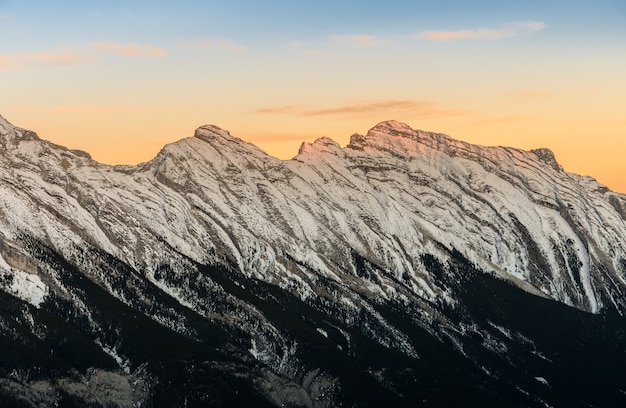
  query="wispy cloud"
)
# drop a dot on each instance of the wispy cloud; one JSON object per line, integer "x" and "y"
{"x": 215, "y": 44}
{"x": 358, "y": 40}
{"x": 42, "y": 59}
{"x": 507, "y": 30}
{"x": 69, "y": 56}
{"x": 286, "y": 110}
{"x": 359, "y": 108}
{"x": 504, "y": 31}
{"x": 130, "y": 50}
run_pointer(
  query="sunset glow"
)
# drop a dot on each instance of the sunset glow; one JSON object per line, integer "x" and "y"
{"x": 121, "y": 79}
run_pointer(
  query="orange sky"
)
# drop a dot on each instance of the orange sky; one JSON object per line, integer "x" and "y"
{"x": 120, "y": 81}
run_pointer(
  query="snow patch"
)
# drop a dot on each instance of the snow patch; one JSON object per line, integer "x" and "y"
{"x": 176, "y": 293}
{"x": 121, "y": 362}
{"x": 322, "y": 332}
{"x": 26, "y": 286}
{"x": 258, "y": 352}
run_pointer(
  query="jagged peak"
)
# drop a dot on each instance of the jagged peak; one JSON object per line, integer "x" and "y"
{"x": 398, "y": 137}
{"x": 325, "y": 141}
{"x": 211, "y": 132}
{"x": 547, "y": 156}
{"x": 389, "y": 132}
{"x": 14, "y": 134}
{"x": 5, "y": 127}
{"x": 321, "y": 144}
{"x": 389, "y": 135}
{"x": 394, "y": 126}
{"x": 4, "y": 122}
{"x": 389, "y": 129}
{"x": 220, "y": 138}
{"x": 212, "y": 144}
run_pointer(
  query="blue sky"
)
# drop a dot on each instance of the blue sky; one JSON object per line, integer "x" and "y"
{"x": 140, "y": 74}
{"x": 274, "y": 21}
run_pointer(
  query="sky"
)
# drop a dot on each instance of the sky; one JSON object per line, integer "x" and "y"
{"x": 120, "y": 79}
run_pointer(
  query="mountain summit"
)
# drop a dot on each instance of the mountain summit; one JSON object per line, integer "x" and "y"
{"x": 406, "y": 268}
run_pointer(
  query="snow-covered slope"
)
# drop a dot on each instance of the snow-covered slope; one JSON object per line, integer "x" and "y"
{"x": 389, "y": 196}
{"x": 342, "y": 229}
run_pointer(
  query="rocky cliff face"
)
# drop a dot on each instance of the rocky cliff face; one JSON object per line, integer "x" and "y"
{"x": 303, "y": 281}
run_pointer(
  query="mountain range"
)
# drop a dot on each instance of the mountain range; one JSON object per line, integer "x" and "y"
{"x": 404, "y": 269}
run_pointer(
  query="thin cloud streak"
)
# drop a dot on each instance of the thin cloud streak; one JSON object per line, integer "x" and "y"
{"x": 420, "y": 108}
{"x": 43, "y": 59}
{"x": 69, "y": 56}
{"x": 288, "y": 109}
{"x": 130, "y": 50}
{"x": 505, "y": 31}
{"x": 358, "y": 40}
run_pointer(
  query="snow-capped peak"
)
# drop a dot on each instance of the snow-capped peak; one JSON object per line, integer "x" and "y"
{"x": 547, "y": 156}
{"x": 4, "y": 125}
{"x": 322, "y": 144}
{"x": 394, "y": 127}
{"x": 211, "y": 132}
{"x": 13, "y": 134}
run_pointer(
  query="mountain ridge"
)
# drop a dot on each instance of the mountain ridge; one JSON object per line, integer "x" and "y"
{"x": 208, "y": 132}
{"x": 395, "y": 243}
{"x": 392, "y": 149}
